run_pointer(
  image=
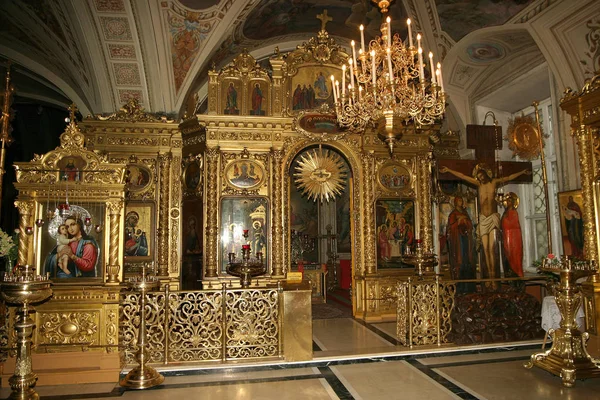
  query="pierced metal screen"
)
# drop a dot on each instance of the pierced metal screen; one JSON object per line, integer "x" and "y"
{"x": 424, "y": 309}
{"x": 199, "y": 326}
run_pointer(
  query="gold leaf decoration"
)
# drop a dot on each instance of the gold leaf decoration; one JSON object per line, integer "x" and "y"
{"x": 320, "y": 174}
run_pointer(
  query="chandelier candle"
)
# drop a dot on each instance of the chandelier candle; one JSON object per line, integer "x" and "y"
{"x": 393, "y": 95}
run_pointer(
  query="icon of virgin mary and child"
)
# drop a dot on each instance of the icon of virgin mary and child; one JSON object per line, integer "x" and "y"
{"x": 75, "y": 254}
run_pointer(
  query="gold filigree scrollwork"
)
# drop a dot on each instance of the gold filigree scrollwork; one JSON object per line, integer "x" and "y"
{"x": 277, "y": 227}
{"x": 424, "y": 163}
{"x": 112, "y": 330}
{"x": 26, "y": 209}
{"x": 194, "y": 328}
{"x": 212, "y": 237}
{"x": 424, "y": 309}
{"x": 174, "y": 213}
{"x": 369, "y": 205}
{"x": 69, "y": 327}
{"x": 113, "y": 268}
{"x": 164, "y": 163}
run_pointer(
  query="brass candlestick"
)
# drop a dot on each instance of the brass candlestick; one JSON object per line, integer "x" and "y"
{"x": 24, "y": 289}
{"x": 142, "y": 376}
{"x": 568, "y": 356}
{"x": 424, "y": 262}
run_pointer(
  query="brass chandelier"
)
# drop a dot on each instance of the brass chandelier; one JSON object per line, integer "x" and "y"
{"x": 387, "y": 86}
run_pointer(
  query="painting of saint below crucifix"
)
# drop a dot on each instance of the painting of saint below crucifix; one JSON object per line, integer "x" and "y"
{"x": 395, "y": 221}
{"x": 258, "y": 98}
{"x": 571, "y": 222}
{"x": 312, "y": 87}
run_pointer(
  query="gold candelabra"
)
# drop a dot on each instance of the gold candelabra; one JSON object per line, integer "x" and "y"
{"x": 568, "y": 356}
{"x": 142, "y": 376}
{"x": 248, "y": 267}
{"x": 387, "y": 86}
{"x": 424, "y": 262}
{"x": 24, "y": 289}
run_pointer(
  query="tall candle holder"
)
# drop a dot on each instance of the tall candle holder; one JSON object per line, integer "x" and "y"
{"x": 301, "y": 243}
{"x": 24, "y": 288}
{"x": 142, "y": 376}
{"x": 423, "y": 262}
{"x": 249, "y": 267}
{"x": 568, "y": 356}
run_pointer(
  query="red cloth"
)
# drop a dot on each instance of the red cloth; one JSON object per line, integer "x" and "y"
{"x": 346, "y": 274}
{"x": 512, "y": 240}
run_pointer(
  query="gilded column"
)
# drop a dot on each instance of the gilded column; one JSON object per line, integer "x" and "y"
{"x": 164, "y": 165}
{"x": 25, "y": 241}
{"x": 277, "y": 228}
{"x": 585, "y": 149}
{"x": 424, "y": 200}
{"x": 369, "y": 219}
{"x": 212, "y": 199}
{"x": 113, "y": 268}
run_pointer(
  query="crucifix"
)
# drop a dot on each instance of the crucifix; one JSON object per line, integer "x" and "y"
{"x": 324, "y": 19}
{"x": 487, "y": 176}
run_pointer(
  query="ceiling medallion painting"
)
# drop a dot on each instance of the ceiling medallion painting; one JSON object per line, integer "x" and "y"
{"x": 524, "y": 137}
{"x": 320, "y": 174}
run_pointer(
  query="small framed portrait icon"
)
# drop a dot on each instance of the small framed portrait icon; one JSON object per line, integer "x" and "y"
{"x": 245, "y": 174}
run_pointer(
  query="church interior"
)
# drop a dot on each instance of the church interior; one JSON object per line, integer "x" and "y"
{"x": 336, "y": 199}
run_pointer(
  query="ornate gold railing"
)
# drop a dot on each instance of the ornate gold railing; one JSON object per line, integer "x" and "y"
{"x": 424, "y": 308}
{"x": 206, "y": 325}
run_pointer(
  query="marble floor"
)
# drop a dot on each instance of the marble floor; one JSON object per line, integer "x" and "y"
{"x": 354, "y": 360}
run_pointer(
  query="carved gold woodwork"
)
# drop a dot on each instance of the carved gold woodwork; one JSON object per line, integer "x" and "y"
{"x": 274, "y": 140}
{"x": 584, "y": 108}
{"x": 151, "y": 143}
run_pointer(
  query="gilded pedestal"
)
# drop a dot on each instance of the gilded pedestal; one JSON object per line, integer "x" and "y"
{"x": 24, "y": 289}
{"x": 568, "y": 357}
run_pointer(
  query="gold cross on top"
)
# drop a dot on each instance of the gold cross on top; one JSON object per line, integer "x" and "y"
{"x": 324, "y": 19}
{"x": 72, "y": 111}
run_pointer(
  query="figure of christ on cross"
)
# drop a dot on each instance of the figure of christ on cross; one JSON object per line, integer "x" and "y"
{"x": 489, "y": 218}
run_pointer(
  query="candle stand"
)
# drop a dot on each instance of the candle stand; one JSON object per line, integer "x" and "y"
{"x": 142, "y": 376}
{"x": 24, "y": 289}
{"x": 248, "y": 267}
{"x": 424, "y": 262}
{"x": 568, "y": 356}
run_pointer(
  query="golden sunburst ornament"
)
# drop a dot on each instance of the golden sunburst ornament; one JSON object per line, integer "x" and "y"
{"x": 524, "y": 137}
{"x": 320, "y": 174}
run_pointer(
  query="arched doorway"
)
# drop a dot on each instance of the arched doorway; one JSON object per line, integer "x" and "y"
{"x": 320, "y": 227}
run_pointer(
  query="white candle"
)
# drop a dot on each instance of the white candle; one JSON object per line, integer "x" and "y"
{"x": 418, "y": 40}
{"x": 389, "y": 26}
{"x": 373, "y": 68}
{"x": 343, "y": 82}
{"x": 362, "y": 38}
{"x": 351, "y": 73}
{"x": 389, "y": 57}
{"x": 431, "y": 68}
{"x": 353, "y": 51}
{"x": 410, "y": 44}
{"x": 421, "y": 74}
{"x": 337, "y": 88}
{"x": 333, "y": 89}
{"x": 360, "y": 89}
{"x": 439, "y": 72}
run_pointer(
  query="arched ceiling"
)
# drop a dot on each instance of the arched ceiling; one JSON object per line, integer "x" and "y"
{"x": 99, "y": 53}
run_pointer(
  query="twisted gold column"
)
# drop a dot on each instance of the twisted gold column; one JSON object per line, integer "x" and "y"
{"x": 585, "y": 149}
{"x": 26, "y": 255}
{"x": 164, "y": 161}
{"x": 426, "y": 229}
{"x": 369, "y": 219}
{"x": 114, "y": 211}
{"x": 277, "y": 228}
{"x": 212, "y": 198}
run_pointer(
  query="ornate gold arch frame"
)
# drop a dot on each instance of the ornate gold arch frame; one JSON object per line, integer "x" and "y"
{"x": 98, "y": 183}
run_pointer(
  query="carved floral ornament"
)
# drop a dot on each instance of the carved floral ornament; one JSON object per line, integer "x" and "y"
{"x": 132, "y": 111}
{"x": 92, "y": 168}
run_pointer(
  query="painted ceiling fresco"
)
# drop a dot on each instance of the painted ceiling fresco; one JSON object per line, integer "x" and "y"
{"x": 274, "y": 18}
{"x": 460, "y": 17}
